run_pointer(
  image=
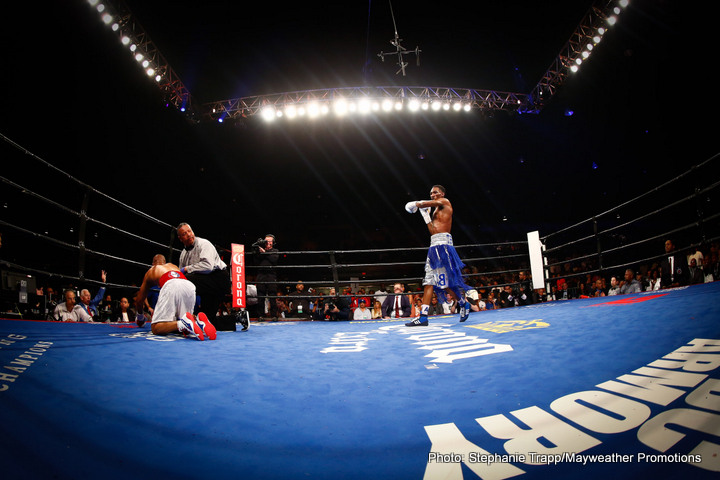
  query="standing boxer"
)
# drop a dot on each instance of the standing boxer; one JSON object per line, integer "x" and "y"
{"x": 443, "y": 267}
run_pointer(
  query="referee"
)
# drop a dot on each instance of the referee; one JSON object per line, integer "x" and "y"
{"x": 201, "y": 264}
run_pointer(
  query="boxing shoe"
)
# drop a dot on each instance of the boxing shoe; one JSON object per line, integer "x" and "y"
{"x": 464, "y": 311}
{"x": 206, "y": 326}
{"x": 189, "y": 327}
{"x": 243, "y": 317}
{"x": 421, "y": 321}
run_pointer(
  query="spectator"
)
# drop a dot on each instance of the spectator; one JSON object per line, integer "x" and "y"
{"x": 362, "y": 312}
{"x": 282, "y": 306}
{"x": 654, "y": 282}
{"x": 710, "y": 268}
{"x": 69, "y": 311}
{"x": 450, "y": 305}
{"x": 435, "y": 307}
{"x": 377, "y": 310}
{"x": 124, "y": 314}
{"x": 397, "y": 305}
{"x": 630, "y": 285}
{"x": 695, "y": 273}
{"x": 91, "y": 306}
{"x": 300, "y": 304}
{"x": 416, "y": 309}
{"x": 614, "y": 287}
{"x": 598, "y": 289}
{"x": 381, "y": 294}
{"x": 674, "y": 267}
{"x": 490, "y": 303}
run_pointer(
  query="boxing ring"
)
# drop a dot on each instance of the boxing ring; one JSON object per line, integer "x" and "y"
{"x": 623, "y": 386}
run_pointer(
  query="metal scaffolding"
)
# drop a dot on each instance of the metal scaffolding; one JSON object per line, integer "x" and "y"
{"x": 578, "y": 48}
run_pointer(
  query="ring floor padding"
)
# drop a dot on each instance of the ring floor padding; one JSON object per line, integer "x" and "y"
{"x": 622, "y": 387}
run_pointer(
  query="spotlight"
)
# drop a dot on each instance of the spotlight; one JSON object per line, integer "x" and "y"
{"x": 268, "y": 113}
{"x": 364, "y": 106}
{"x": 290, "y": 111}
{"x": 341, "y": 107}
{"x": 313, "y": 110}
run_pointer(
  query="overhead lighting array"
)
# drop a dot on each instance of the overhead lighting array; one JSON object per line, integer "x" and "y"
{"x": 118, "y": 18}
{"x": 602, "y": 16}
{"x": 114, "y": 21}
{"x": 345, "y": 107}
{"x": 359, "y": 101}
{"x": 591, "y": 41}
{"x": 319, "y": 103}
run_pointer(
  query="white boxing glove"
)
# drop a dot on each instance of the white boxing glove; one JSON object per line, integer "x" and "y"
{"x": 410, "y": 207}
{"x": 425, "y": 212}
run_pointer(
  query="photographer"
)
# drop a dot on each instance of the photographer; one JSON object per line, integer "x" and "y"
{"x": 335, "y": 307}
{"x": 266, "y": 278}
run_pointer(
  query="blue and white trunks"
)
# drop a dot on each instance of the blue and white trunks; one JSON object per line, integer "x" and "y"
{"x": 443, "y": 267}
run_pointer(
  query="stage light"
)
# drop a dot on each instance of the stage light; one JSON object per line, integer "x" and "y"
{"x": 125, "y": 40}
{"x": 139, "y": 57}
{"x": 414, "y": 105}
{"x": 107, "y": 19}
{"x": 364, "y": 106}
{"x": 467, "y": 107}
{"x": 268, "y": 113}
{"x": 290, "y": 111}
{"x": 313, "y": 110}
{"x": 340, "y": 107}
{"x": 612, "y": 20}
{"x": 398, "y": 106}
{"x": 457, "y": 106}
{"x": 387, "y": 105}
{"x": 436, "y": 106}
{"x": 150, "y": 72}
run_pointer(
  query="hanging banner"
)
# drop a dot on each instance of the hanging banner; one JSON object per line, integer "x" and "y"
{"x": 238, "y": 275}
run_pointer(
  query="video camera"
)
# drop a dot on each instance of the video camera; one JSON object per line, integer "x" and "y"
{"x": 260, "y": 243}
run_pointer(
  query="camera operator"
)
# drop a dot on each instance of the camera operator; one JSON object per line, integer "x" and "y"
{"x": 267, "y": 277}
